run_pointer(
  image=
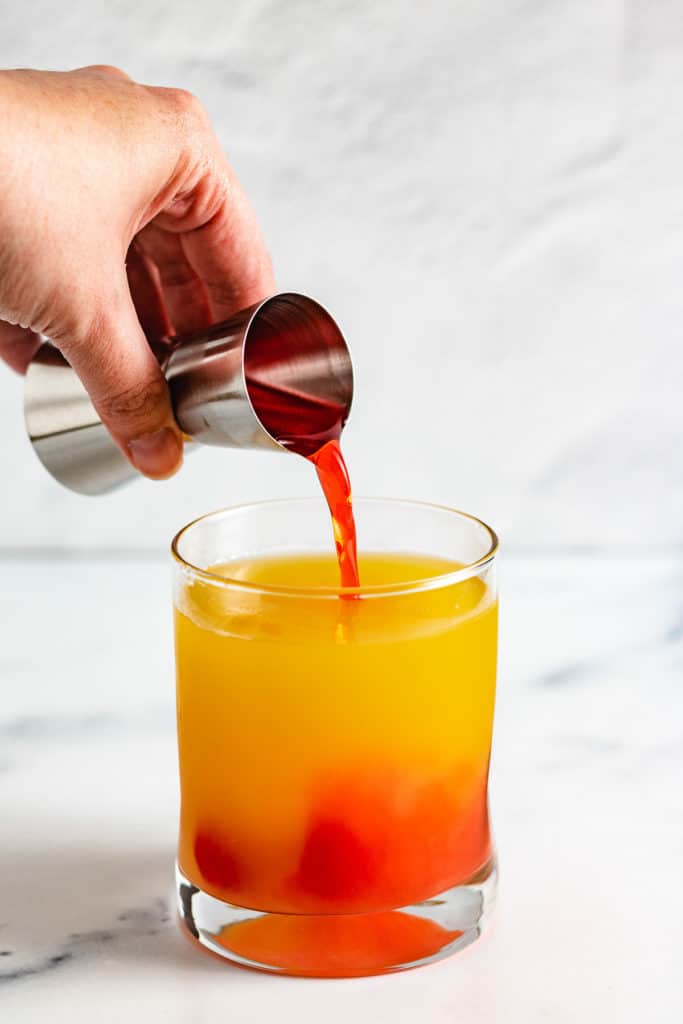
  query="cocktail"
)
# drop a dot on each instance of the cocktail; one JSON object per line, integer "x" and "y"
{"x": 334, "y": 742}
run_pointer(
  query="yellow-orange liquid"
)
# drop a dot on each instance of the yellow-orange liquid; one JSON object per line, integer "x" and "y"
{"x": 334, "y": 753}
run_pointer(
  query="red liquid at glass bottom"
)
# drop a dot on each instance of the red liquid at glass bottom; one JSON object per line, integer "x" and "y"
{"x": 332, "y": 946}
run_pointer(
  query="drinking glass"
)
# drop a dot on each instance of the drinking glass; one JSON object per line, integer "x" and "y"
{"x": 334, "y": 744}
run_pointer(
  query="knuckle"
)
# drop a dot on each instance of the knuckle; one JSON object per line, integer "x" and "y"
{"x": 187, "y": 106}
{"x": 108, "y": 69}
{"x": 134, "y": 401}
{"x": 139, "y": 402}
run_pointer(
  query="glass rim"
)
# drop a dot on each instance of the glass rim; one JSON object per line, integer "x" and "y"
{"x": 444, "y": 579}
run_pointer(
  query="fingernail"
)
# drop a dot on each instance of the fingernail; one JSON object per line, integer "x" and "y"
{"x": 158, "y": 455}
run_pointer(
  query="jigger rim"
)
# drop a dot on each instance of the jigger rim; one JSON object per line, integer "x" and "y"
{"x": 343, "y": 346}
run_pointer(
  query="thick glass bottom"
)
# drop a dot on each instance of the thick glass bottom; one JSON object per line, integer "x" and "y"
{"x": 339, "y": 946}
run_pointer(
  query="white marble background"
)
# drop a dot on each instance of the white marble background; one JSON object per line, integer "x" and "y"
{"x": 488, "y": 194}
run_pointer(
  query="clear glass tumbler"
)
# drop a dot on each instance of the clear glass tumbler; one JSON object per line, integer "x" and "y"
{"x": 334, "y": 744}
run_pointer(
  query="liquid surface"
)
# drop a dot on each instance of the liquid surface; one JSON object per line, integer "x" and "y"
{"x": 334, "y": 754}
{"x": 321, "y": 570}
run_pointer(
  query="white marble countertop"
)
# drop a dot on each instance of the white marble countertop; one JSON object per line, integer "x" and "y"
{"x": 587, "y": 808}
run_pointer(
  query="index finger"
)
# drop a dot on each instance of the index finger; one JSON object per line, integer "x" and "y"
{"x": 222, "y": 241}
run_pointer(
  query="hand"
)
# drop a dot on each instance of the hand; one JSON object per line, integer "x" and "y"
{"x": 120, "y": 218}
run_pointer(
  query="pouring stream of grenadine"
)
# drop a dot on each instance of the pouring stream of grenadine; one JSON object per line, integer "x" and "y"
{"x": 334, "y": 480}
{"x": 312, "y": 427}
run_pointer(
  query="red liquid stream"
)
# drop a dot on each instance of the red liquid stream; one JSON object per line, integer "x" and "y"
{"x": 334, "y": 480}
{"x": 312, "y": 427}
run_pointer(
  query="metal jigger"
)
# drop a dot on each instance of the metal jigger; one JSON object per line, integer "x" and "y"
{"x": 222, "y": 382}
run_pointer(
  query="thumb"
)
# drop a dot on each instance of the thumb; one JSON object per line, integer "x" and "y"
{"x": 110, "y": 354}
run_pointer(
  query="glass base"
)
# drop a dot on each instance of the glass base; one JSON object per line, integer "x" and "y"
{"x": 339, "y": 946}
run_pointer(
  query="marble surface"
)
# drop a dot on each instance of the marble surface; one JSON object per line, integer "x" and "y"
{"x": 586, "y": 787}
{"x": 489, "y": 196}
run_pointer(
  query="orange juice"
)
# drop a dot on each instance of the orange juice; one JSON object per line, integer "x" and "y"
{"x": 334, "y": 753}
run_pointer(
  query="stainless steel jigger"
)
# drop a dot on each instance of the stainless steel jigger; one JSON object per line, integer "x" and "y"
{"x": 286, "y": 345}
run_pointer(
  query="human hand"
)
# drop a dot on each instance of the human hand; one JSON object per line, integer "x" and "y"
{"x": 120, "y": 218}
